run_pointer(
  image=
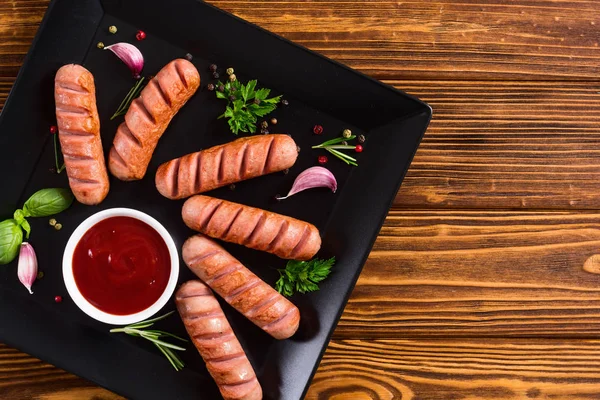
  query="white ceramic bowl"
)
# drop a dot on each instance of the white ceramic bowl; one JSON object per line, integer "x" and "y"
{"x": 81, "y": 301}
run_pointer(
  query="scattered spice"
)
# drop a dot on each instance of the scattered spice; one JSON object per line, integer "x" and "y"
{"x": 361, "y": 139}
{"x": 264, "y": 124}
{"x": 285, "y": 102}
{"x": 112, "y": 29}
{"x": 358, "y": 148}
{"x": 232, "y": 78}
{"x": 52, "y": 222}
{"x": 100, "y": 45}
{"x": 298, "y": 148}
{"x": 53, "y": 129}
{"x": 318, "y": 130}
{"x": 58, "y": 226}
{"x": 210, "y": 86}
{"x": 257, "y": 101}
{"x": 232, "y": 186}
{"x": 216, "y": 75}
{"x": 221, "y": 88}
{"x": 347, "y": 133}
{"x": 274, "y": 121}
{"x": 264, "y": 131}
{"x": 212, "y": 68}
{"x": 58, "y": 299}
{"x": 189, "y": 57}
{"x": 229, "y": 71}
{"x": 232, "y": 97}
{"x": 323, "y": 160}
{"x": 140, "y": 35}
{"x": 40, "y": 275}
{"x": 345, "y": 143}
{"x": 286, "y": 171}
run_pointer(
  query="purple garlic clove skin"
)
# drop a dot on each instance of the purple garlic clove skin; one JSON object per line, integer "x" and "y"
{"x": 130, "y": 55}
{"x": 311, "y": 178}
{"x": 27, "y": 269}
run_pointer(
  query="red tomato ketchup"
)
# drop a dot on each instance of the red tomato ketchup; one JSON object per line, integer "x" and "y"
{"x": 121, "y": 265}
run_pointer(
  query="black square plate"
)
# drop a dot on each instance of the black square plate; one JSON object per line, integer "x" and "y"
{"x": 319, "y": 91}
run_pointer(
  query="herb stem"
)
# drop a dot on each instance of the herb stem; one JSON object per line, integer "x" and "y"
{"x": 59, "y": 169}
{"x": 133, "y": 93}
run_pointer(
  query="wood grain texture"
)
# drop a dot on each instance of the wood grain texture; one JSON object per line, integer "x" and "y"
{"x": 497, "y": 144}
{"x": 458, "y": 370}
{"x": 479, "y": 273}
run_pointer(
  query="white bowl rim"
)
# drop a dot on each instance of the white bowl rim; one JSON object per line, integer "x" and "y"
{"x": 83, "y": 303}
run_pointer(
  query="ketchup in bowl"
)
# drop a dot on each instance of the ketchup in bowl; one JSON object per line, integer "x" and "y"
{"x": 121, "y": 265}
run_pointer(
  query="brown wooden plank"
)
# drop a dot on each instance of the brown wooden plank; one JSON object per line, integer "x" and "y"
{"x": 459, "y": 370}
{"x": 496, "y": 274}
{"x": 471, "y": 39}
{"x": 506, "y": 145}
{"x": 386, "y": 369}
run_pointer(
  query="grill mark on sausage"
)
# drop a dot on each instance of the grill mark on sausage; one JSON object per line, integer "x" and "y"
{"x": 117, "y": 157}
{"x": 233, "y": 267}
{"x": 259, "y": 224}
{"x": 221, "y": 159}
{"x": 241, "y": 173}
{"x": 129, "y": 134}
{"x": 81, "y": 180}
{"x": 237, "y": 214}
{"x": 281, "y": 317}
{"x": 71, "y": 132}
{"x": 72, "y": 87}
{"x": 198, "y": 177}
{"x": 280, "y": 235}
{"x": 76, "y": 157}
{"x": 196, "y": 260}
{"x": 144, "y": 110}
{"x": 207, "y": 220}
{"x": 195, "y": 294}
{"x": 264, "y": 169}
{"x": 227, "y": 357}
{"x": 193, "y": 317}
{"x": 241, "y": 290}
{"x": 175, "y": 168}
{"x": 240, "y": 383}
{"x": 301, "y": 242}
{"x": 181, "y": 75}
{"x": 154, "y": 82}
{"x": 267, "y": 303}
{"x": 211, "y": 336}
{"x": 72, "y": 110}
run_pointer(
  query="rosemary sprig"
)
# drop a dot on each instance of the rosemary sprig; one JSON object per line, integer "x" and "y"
{"x": 334, "y": 148}
{"x": 59, "y": 169}
{"x": 133, "y": 93}
{"x": 154, "y": 336}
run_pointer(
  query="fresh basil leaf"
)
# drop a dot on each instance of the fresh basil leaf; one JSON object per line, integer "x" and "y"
{"x": 11, "y": 237}
{"x": 19, "y": 217}
{"x": 48, "y": 202}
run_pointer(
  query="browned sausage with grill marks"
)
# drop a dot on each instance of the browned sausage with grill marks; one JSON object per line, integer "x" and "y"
{"x": 148, "y": 117}
{"x": 79, "y": 133}
{"x": 284, "y": 236}
{"x": 212, "y": 335}
{"x": 242, "y": 159}
{"x": 242, "y": 289}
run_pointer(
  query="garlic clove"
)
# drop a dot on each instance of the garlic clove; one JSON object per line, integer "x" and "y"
{"x": 130, "y": 55}
{"x": 312, "y": 178}
{"x": 27, "y": 268}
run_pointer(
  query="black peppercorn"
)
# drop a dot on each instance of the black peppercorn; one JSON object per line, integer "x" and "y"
{"x": 216, "y": 75}
{"x": 232, "y": 187}
{"x": 361, "y": 138}
{"x": 257, "y": 101}
{"x": 286, "y": 171}
{"x": 285, "y": 102}
{"x": 232, "y": 97}
{"x": 212, "y": 68}
{"x": 189, "y": 57}
{"x": 210, "y": 87}
{"x": 264, "y": 124}
{"x": 221, "y": 88}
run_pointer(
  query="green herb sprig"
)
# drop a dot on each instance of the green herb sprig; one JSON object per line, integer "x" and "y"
{"x": 43, "y": 203}
{"x": 154, "y": 335}
{"x": 245, "y": 104}
{"x": 133, "y": 94}
{"x": 334, "y": 146}
{"x": 303, "y": 276}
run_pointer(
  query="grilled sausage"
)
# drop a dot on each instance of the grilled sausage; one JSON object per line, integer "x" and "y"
{"x": 148, "y": 117}
{"x": 243, "y": 290}
{"x": 258, "y": 229}
{"x": 212, "y": 335}
{"x": 79, "y": 133}
{"x": 242, "y": 159}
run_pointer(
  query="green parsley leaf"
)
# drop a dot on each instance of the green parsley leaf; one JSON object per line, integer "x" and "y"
{"x": 303, "y": 276}
{"x": 242, "y": 113}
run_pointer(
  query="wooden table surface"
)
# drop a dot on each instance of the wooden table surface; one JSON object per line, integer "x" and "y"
{"x": 484, "y": 282}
